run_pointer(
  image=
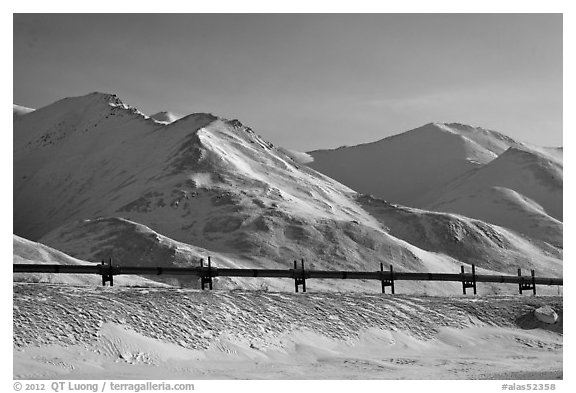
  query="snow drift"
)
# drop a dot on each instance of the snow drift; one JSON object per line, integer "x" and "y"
{"x": 84, "y": 333}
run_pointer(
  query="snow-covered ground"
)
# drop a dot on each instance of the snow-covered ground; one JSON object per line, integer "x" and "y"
{"x": 63, "y": 332}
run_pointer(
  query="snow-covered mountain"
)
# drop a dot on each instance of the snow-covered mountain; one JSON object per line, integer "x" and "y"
{"x": 404, "y": 168}
{"x": 93, "y": 176}
{"x": 521, "y": 190}
{"x": 460, "y": 169}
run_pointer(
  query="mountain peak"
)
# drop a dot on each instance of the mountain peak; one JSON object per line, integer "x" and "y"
{"x": 435, "y": 126}
{"x": 51, "y": 125}
{"x": 423, "y": 159}
{"x": 102, "y": 94}
{"x": 109, "y": 98}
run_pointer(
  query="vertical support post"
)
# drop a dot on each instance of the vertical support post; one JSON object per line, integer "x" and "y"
{"x": 392, "y": 279}
{"x": 210, "y": 272}
{"x": 201, "y": 275}
{"x": 206, "y": 274}
{"x": 295, "y": 278}
{"x": 382, "y": 281}
{"x": 107, "y": 273}
{"x": 474, "y": 278}
{"x": 111, "y": 278}
{"x": 299, "y": 276}
{"x": 463, "y": 280}
{"x": 533, "y": 282}
{"x": 520, "y": 283}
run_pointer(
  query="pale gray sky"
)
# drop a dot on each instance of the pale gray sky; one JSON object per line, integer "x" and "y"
{"x": 306, "y": 81}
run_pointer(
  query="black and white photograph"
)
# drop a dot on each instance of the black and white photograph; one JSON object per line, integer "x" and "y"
{"x": 287, "y": 196}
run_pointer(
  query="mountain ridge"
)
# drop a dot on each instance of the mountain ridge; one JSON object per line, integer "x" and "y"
{"x": 404, "y": 167}
{"x": 216, "y": 185}
{"x": 419, "y": 168}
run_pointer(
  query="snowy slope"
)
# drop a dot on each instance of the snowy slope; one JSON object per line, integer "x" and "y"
{"x": 404, "y": 168}
{"x": 72, "y": 117}
{"x": 132, "y": 244}
{"x": 487, "y": 246}
{"x": 522, "y": 190}
{"x": 213, "y": 184}
{"x": 57, "y": 152}
{"x": 459, "y": 169}
{"x": 29, "y": 252}
{"x": 490, "y": 140}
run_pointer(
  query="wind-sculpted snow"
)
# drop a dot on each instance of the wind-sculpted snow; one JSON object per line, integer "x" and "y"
{"x": 191, "y": 318}
{"x": 146, "y": 327}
